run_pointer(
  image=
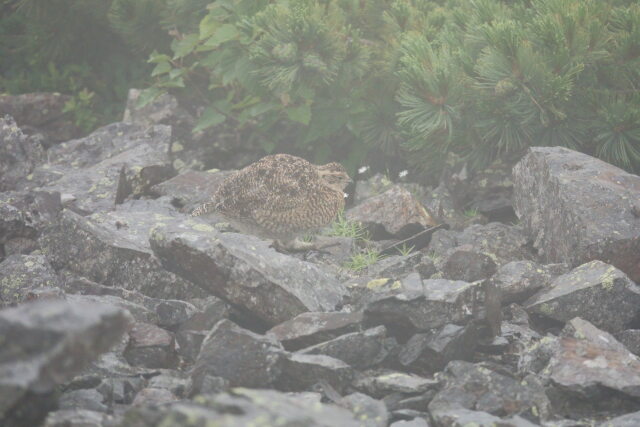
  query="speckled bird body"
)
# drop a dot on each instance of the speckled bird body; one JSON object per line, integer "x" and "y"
{"x": 280, "y": 197}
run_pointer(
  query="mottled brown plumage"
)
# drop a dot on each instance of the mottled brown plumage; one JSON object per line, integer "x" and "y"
{"x": 280, "y": 197}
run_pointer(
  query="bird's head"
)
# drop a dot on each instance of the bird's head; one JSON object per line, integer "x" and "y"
{"x": 334, "y": 175}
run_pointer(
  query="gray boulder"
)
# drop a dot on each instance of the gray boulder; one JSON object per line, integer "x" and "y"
{"x": 19, "y": 154}
{"x": 595, "y": 291}
{"x": 245, "y": 271}
{"x": 21, "y": 274}
{"x": 577, "y": 208}
{"x": 47, "y": 343}
{"x": 113, "y": 258}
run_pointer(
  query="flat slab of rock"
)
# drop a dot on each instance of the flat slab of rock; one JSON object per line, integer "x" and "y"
{"x": 105, "y": 256}
{"x": 577, "y": 208}
{"x": 245, "y": 271}
{"x": 440, "y": 302}
{"x": 190, "y": 188}
{"x": 590, "y": 363}
{"x": 244, "y": 407}
{"x": 312, "y": 328}
{"x": 395, "y": 212}
{"x": 46, "y": 343}
{"x": 475, "y": 387}
{"x": 519, "y": 280}
{"x": 595, "y": 291}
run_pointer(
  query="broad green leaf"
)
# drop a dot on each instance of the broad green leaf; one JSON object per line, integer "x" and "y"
{"x": 223, "y": 34}
{"x": 184, "y": 47}
{"x": 208, "y": 26}
{"x": 148, "y": 95}
{"x": 156, "y": 58}
{"x": 300, "y": 114}
{"x": 209, "y": 118}
{"x": 161, "y": 68}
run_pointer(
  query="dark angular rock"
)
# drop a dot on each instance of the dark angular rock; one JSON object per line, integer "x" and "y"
{"x": 595, "y": 291}
{"x": 440, "y": 302}
{"x": 393, "y": 213}
{"x": 240, "y": 408}
{"x": 476, "y": 387}
{"x": 311, "y": 328}
{"x": 76, "y": 418}
{"x": 189, "y": 344}
{"x": 41, "y": 112}
{"x": 21, "y": 274}
{"x": 518, "y": 280}
{"x": 559, "y": 191}
{"x": 19, "y": 154}
{"x": 630, "y": 338}
{"x": 366, "y": 289}
{"x": 441, "y": 206}
{"x": 151, "y": 347}
{"x": 87, "y": 399}
{"x": 190, "y": 188}
{"x": 102, "y": 186}
{"x": 462, "y": 263}
{"x": 48, "y": 343}
{"x": 139, "y": 312}
{"x": 245, "y": 271}
{"x": 427, "y": 353}
{"x": 240, "y": 356}
{"x": 591, "y": 366}
{"x": 207, "y": 384}
{"x": 370, "y": 187}
{"x": 19, "y": 246}
{"x": 301, "y": 372}
{"x": 503, "y": 243}
{"x": 357, "y": 349}
{"x": 395, "y": 266}
{"x": 107, "y": 258}
{"x": 368, "y": 411}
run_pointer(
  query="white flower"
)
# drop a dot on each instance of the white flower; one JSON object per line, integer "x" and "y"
{"x": 403, "y": 173}
{"x": 363, "y": 169}
{"x": 346, "y": 195}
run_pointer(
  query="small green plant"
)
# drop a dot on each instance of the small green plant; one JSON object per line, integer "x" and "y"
{"x": 361, "y": 260}
{"x": 405, "y": 250}
{"x": 307, "y": 238}
{"x": 343, "y": 227}
{"x": 434, "y": 257}
{"x": 80, "y": 106}
{"x": 471, "y": 213}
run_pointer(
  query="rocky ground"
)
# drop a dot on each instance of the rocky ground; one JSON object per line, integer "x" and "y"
{"x": 506, "y": 298}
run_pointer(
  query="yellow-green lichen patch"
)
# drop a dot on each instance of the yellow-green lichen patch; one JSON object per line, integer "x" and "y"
{"x": 176, "y": 147}
{"x": 203, "y": 227}
{"x": 377, "y": 283}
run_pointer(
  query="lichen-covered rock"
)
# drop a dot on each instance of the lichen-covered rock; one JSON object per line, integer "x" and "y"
{"x": 630, "y": 338}
{"x": 380, "y": 384}
{"x": 393, "y": 213}
{"x": 311, "y": 328}
{"x": 370, "y": 412}
{"x": 476, "y": 387}
{"x": 460, "y": 417}
{"x": 101, "y": 254}
{"x": 440, "y": 302}
{"x": 240, "y": 356}
{"x": 595, "y": 291}
{"x": 518, "y": 280}
{"x": 577, "y": 208}
{"x": 21, "y": 274}
{"x": 45, "y": 344}
{"x": 102, "y": 186}
{"x": 19, "y": 154}
{"x": 41, "y": 112}
{"x": 245, "y": 271}
{"x": 357, "y": 349}
{"x": 242, "y": 407}
{"x": 592, "y": 372}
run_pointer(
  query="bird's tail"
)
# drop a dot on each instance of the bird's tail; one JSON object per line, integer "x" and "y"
{"x": 203, "y": 209}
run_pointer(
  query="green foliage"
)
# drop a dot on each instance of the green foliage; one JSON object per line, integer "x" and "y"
{"x": 482, "y": 78}
{"x": 343, "y": 227}
{"x": 80, "y": 106}
{"x": 363, "y": 259}
{"x": 405, "y": 250}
